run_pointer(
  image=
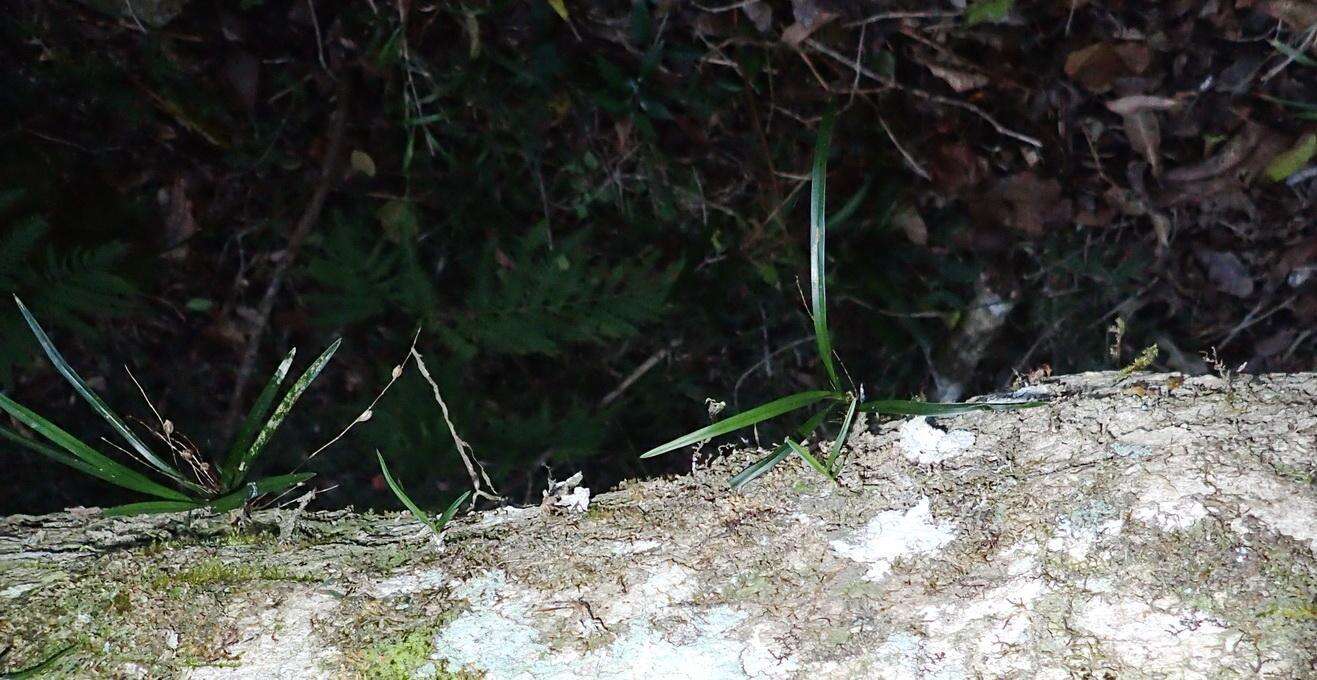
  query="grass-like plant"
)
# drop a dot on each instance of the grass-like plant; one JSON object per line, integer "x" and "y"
{"x": 435, "y": 525}
{"x": 205, "y": 487}
{"x": 35, "y": 670}
{"x": 830, "y": 399}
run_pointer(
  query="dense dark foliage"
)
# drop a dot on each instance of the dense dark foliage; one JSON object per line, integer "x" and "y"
{"x": 599, "y": 221}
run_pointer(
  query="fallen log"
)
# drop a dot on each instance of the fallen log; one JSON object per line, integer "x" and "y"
{"x": 1152, "y": 526}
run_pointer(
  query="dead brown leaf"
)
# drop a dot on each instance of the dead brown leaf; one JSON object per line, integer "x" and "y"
{"x": 1227, "y": 272}
{"x": 1025, "y": 203}
{"x": 760, "y": 14}
{"x": 1098, "y": 66}
{"x": 1232, "y": 153}
{"x": 959, "y": 80}
{"x": 1143, "y": 129}
{"x": 180, "y": 225}
{"x": 1141, "y": 102}
{"x": 809, "y": 18}
{"x": 912, "y": 225}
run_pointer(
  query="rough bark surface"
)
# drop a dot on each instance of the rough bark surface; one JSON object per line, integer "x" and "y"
{"x": 1155, "y": 526}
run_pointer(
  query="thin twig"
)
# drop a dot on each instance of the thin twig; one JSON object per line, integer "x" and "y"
{"x": 320, "y": 43}
{"x": 370, "y": 410}
{"x": 1293, "y": 55}
{"x": 923, "y": 94}
{"x": 765, "y": 363}
{"x": 888, "y": 16}
{"x": 910, "y": 160}
{"x": 329, "y": 172}
{"x": 473, "y": 467}
{"x": 638, "y": 373}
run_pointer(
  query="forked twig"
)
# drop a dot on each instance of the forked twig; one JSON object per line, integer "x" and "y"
{"x": 922, "y": 94}
{"x": 473, "y": 467}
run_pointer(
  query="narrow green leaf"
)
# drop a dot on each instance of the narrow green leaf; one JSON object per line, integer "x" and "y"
{"x": 809, "y": 458}
{"x": 43, "y": 665}
{"x": 1294, "y": 55}
{"x": 99, "y": 405}
{"x": 96, "y": 463}
{"x": 745, "y": 419}
{"x": 841, "y": 436}
{"x": 281, "y": 411}
{"x": 759, "y": 467}
{"x": 1292, "y": 103}
{"x": 839, "y": 218}
{"x": 447, "y": 517}
{"x": 1292, "y": 160}
{"x": 407, "y": 501}
{"x": 903, "y": 407}
{"x": 260, "y": 409}
{"x": 150, "y": 508}
{"x": 818, "y": 232}
{"x": 251, "y": 490}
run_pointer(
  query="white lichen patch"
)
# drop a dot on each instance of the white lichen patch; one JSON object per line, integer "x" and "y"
{"x": 924, "y": 444}
{"x": 1184, "y": 644}
{"x": 894, "y": 534}
{"x": 635, "y": 547}
{"x": 408, "y": 583}
{"x": 1172, "y": 500}
{"x": 506, "y": 635}
{"x": 1075, "y": 538}
{"x": 281, "y": 643}
{"x": 1283, "y": 506}
{"x": 987, "y": 635}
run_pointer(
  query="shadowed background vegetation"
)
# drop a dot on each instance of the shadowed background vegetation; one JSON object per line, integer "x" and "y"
{"x": 596, "y": 213}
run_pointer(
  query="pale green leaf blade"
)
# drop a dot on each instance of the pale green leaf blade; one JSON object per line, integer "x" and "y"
{"x": 809, "y": 458}
{"x": 251, "y": 490}
{"x": 759, "y": 467}
{"x": 450, "y": 512}
{"x": 407, "y": 501}
{"x": 745, "y": 419}
{"x": 96, "y": 463}
{"x": 818, "y": 232}
{"x": 1293, "y": 54}
{"x": 841, "y": 436}
{"x": 98, "y": 404}
{"x": 281, "y": 411}
{"x": 247, "y": 433}
{"x": 1292, "y": 160}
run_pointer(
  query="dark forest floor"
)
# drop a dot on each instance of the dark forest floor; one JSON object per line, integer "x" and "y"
{"x": 597, "y": 217}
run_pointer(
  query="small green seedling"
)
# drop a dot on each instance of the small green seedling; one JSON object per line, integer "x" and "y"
{"x": 830, "y": 465}
{"x": 204, "y": 488}
{"x": 435, "y": 525}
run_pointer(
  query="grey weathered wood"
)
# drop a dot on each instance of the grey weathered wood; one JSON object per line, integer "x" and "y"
{"x": 1150, "y": 527}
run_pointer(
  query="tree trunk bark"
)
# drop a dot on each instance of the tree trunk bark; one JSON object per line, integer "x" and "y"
{"x": 1155, "y": 526}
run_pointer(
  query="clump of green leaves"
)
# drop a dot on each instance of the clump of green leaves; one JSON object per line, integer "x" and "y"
{"x": 436, "y": 524}
{"x": 830, "y": 464}
{"x": 222, "y": 490}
